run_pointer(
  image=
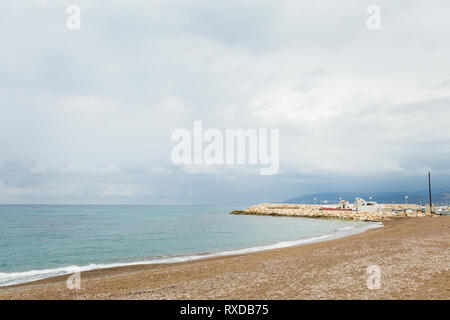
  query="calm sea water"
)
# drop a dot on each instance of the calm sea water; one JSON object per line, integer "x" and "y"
{"x": 39, "y": 241}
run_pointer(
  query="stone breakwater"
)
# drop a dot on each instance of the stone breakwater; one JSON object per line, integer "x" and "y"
{"x": 386, "y": 211}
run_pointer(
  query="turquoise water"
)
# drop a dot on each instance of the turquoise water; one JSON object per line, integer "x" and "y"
{"x": 38, "y": 241}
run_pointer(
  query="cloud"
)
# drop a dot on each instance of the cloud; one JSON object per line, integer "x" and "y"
{"x": 159, "y": 170}
{"x": 13, "y": 190}
{"x": 119, "y": 191}
{"x": 87, "y": 115}
{"x": 110, "y": 170}
{"x": 39, "y": 169}
{"x": 83, "y": 170}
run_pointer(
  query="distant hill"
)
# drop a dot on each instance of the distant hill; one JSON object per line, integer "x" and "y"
{"x": 440, "y": 196}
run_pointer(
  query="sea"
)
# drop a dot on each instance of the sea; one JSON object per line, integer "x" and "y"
{"x": 42, "y": 241}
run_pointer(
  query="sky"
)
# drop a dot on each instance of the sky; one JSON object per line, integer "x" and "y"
{"x": 87, "y": 115}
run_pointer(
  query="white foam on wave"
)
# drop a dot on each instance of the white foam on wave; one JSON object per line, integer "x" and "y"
{"x": 12, "y": 278}
{"x": 346, "y": 228}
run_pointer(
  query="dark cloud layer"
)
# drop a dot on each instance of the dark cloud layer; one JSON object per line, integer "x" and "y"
{"x": 87, "y": 115}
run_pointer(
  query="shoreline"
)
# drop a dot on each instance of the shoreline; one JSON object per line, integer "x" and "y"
{"x": 64, "y": 271}
{"x": 413, "y": 254}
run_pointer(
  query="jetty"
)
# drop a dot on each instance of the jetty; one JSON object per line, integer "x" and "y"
{"x": 359, "y": 210}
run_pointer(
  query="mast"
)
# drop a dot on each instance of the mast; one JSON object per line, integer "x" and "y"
{"x": 429, "y": 190}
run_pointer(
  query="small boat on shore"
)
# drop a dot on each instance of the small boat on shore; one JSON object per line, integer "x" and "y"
{"x": 442, "y": 210}
{"x": 359, "y": 205}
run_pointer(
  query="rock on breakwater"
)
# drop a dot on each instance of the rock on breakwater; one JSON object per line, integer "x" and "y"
{"x": 384, "y": 212}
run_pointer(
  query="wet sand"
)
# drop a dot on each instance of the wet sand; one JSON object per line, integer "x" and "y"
{"x": 413, "y": 255}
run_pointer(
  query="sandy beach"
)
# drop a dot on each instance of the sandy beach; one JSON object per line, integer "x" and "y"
{"x": 413, "y": 255}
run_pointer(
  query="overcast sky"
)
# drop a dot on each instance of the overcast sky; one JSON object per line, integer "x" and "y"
{"x": 87, "y": 115}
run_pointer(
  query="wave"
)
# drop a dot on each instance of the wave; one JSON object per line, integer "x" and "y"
{"x": 12, "y": 278}
{"x": 346, "y": 228}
